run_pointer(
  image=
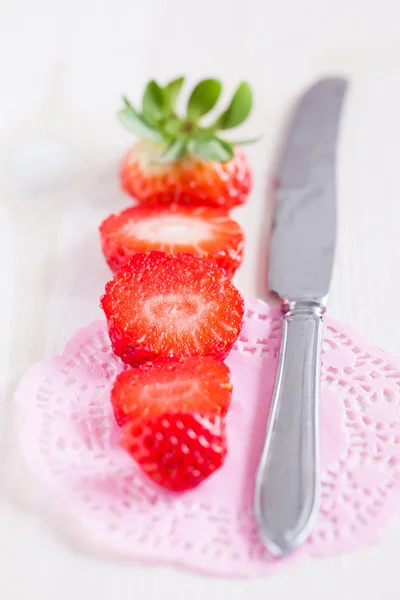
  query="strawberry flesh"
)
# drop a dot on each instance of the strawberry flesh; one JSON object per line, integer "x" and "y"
{"x": 203, "y": 231}
{"x": 192, "y": 385}
{"x": 177, "y": 451}
{"x": 168, "y": 307}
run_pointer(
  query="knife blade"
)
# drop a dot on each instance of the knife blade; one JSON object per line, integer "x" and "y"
{"x": 300, "y": 269}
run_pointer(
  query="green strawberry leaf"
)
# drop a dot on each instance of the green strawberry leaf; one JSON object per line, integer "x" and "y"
{"x": 212, "y": 149}
{"x": 174, "y": 151}
{"x": 127, "y": 103}
{"x": 228, "y": 146}
{"x": 238, "y": 109}
{"x": 138, "y": 124}
{"x": 246, "y": 141}
{"x": 203, "y": 98}
{"x": 172, "y": 91}
{"x": 172, "y": 127}
{"x": 153, "y": 102}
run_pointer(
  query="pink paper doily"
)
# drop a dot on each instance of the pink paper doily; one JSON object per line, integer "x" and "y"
{"x": 69, "y": 439}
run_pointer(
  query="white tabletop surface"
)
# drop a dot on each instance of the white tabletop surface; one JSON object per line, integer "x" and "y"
{"x": 63, "y": 67}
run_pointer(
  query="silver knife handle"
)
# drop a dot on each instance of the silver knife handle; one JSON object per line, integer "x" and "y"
{"x": 287, "y": 489}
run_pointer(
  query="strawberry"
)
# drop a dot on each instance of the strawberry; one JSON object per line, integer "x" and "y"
{"x": 171, "y": 307}
{"x": 177, "y": 451}
{"x": 192, "y": 180}
{"x": 179, "y": 160}
{"x": 192, "y": 385}
{"x": 203, "y": 231}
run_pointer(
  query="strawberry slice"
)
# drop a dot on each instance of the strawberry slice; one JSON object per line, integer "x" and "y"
{"x": 171, "y": 307}
{"x": 193, "y": 385}
{"x": 207, "y": 232}
{"x": 177, "y": 451}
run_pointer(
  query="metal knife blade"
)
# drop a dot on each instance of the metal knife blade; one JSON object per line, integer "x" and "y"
{"x": 303, "y": 241}
{"x": 300, "y": 268}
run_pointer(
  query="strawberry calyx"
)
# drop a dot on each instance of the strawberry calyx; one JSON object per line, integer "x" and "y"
{"x": 159, "y": 121}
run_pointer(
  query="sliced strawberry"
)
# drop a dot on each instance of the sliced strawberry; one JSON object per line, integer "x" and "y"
{"x": 201, "y": 231}
{"x": 177, "y": 451}
{"x": 198, "y": 385}
{"x": 171, "y": 307}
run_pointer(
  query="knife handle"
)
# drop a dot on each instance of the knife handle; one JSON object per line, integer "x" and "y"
{"x": 287, "y": 488}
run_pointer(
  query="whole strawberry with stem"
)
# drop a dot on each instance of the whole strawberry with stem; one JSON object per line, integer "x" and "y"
{"x": 180, "y": 160}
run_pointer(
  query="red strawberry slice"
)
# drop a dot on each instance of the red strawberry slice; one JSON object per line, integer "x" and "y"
{"x": 177, "y": 451}
{"x": 193, "y": 385}
{"x": 171, "y": 307}
{"x": 208, "y": 232}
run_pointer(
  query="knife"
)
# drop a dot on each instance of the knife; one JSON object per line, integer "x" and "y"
{"x": 300, "y": 268}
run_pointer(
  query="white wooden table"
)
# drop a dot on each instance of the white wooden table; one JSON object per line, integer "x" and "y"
{"x": 63, "y": 66}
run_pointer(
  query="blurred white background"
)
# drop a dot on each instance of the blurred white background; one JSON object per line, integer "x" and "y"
{"x": 63, "y": 68}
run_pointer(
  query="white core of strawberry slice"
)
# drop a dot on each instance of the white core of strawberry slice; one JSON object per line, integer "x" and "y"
{"x": 173, "y": 309}
{"x": 170, "y": 229}
{"x": 158, "y": 391}
{"x": 179, "y": 315}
